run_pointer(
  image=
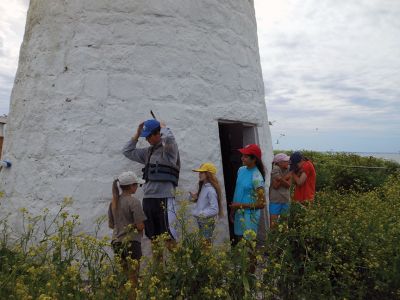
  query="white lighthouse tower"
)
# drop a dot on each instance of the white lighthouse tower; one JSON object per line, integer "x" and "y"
{"x": 90, "y": 71}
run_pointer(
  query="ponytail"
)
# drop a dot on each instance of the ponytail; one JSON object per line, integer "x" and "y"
{"x": 212, "y": 179}
{"x": 259, "y": 165}
{"x": 115, "y": 193}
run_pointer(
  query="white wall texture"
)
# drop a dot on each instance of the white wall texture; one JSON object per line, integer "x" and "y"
{"x": 90, "y": 71}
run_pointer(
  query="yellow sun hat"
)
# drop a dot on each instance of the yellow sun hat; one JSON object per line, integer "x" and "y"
{"x": 207, "y": 167}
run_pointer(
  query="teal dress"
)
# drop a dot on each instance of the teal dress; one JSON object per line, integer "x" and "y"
{"x": 247, "y": 182}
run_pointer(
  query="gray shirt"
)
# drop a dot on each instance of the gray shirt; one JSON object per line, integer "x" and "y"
{"x": 128, "y": 213}
{"x": 170, "y": 153}
{"x": 282, "y": 194}
{"x": 207, "y": 202}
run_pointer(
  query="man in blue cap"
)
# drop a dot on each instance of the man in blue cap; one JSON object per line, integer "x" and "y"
{"x": 161, "y": 173}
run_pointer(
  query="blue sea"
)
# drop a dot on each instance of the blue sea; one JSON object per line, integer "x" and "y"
{"x": 388, "y": 156}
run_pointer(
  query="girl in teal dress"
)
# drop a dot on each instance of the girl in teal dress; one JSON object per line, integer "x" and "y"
{"x": 249, "y": 196}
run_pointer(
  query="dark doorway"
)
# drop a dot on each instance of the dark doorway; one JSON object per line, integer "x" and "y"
{"x": 233, "y": 136}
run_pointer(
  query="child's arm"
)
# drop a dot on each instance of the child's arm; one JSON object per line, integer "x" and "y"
{"x": 193, "y": 196}
{"x": 286, "y": 181}
{"x": 276, "y": 182}
{"x": 275, "y": 179}
{"x": 260, "y": 201}
{"x": 138, "y": 216}
{"x": 299, "y": 180}
{"x": 258, "y": 184}
{"x": 259, "y": 204}
{"x": 140, "y": 226}
{"x": 212, "y": 202}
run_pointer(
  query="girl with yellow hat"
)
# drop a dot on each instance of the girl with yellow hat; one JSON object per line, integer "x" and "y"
{"x": 208, "y": 200}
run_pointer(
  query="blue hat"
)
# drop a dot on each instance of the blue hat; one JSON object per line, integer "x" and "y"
{"x": 295, "y": 158}
{"x": 149, "y": 126}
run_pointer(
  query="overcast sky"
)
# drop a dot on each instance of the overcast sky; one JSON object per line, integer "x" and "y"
{"x": 331, "y": 70}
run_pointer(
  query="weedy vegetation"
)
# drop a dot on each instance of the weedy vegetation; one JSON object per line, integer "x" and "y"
{"x": 343, "y": 246}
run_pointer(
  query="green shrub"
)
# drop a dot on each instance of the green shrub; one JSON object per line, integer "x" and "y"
{"x": 193, "y": 270}
{"x": 347, "y": 171}
{"x": 50, "y": 260}
{"x": 196, "y": 270}
{"x": 344, "y": 246}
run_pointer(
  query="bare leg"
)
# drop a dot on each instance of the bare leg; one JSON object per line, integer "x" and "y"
{"x": 253, "y": 263}
{"x": 170, "y": 244}
{"x": 133, "y": 275}
{"x": 273, "y": 220}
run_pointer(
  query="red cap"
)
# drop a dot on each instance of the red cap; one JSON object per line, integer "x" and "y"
{"x": 251, "y": 149}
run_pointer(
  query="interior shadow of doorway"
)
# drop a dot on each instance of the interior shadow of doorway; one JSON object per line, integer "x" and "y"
{"x": 233, "y": 135}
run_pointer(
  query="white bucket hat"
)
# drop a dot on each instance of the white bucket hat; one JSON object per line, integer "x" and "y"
{"x": 128, "y": 178}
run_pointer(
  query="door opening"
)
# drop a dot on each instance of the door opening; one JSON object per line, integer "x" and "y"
{"x": 233, "y": 136}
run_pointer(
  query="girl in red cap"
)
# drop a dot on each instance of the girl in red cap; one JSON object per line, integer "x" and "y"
{"x": 249, "y": 196}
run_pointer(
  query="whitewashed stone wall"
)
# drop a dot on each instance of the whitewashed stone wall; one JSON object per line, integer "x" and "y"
{"x": 90, "y": 71}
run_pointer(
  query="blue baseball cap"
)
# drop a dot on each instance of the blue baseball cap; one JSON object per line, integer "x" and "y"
{"x": 295, "y": 158}
{"x": 149, "y": 126}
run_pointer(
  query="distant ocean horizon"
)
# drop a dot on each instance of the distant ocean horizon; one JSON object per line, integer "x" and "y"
{"x": 393, "y": 156}
{"x": 385, "y": 155}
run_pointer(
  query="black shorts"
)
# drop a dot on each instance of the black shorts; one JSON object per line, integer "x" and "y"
{"x": 156, "y": 211}
{"x": 132, "y": 249}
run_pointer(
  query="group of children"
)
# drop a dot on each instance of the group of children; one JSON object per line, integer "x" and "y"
{"x": 301, "y": 172}
{"x": 128, "y": 218}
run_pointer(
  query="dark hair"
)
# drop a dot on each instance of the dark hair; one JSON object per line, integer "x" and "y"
{"x": 155, "y": 130}
{"x": 259, "y": 165}
{"x": 115, "y": 194}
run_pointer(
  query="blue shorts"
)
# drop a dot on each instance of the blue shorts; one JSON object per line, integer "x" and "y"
{"x": 278, "y": 208}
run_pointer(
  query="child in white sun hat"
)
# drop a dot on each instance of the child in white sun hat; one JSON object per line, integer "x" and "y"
{"x": 126, "y": 218}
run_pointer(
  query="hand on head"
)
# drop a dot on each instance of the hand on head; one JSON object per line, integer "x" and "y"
{"x": 140, "y": 128}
